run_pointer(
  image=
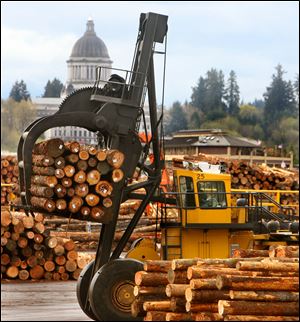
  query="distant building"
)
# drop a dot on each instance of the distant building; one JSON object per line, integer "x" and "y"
{"x": 88, "y": 52}
{"x": 221, "y": 144}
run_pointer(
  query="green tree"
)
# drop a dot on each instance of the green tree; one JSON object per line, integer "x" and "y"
{"x": 15, "y": 117}
{"x": 19, "y": 92}
{"x": 198, "y": 94}
{"x": 195, "y": 121}
{"x": 53, "y": 89}
{"x": 232, "y": 96}
{"x": 279, "y": 101}
{"x": 177, "y": 119}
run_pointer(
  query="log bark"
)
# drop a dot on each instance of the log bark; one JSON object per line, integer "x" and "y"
{"x": 40, "y": 191}
{"x": 43, "y": 171}
{"x": 246, "y": 253}
{"x": 177, "y": 277}
{"x": 176, "y": 290}
{"x": 257, "y": 283}
{"x": 148, "y": 290}
{"x": 155, "y": 316}
{"x": 44, "y": 203}
{"x": 157, "y": 266}
{"x": 157, "y": 306}
{"x": 267, "y": 296}
{"x": 268, "y": 266}
{"x": 150, "y": 278}
{"x": 183, "y": 264}
{"x": 203, "y": 284}
{"x": 179, "y": 317}
{"x": 48, "y": 181}
{"x": 42, "y": 160}
{"x": 205, "y": 296}
{"x": 258, "y": 308}
{"x": 201, "y": 307}
{"x": 260, "y": 318}
{"x": 53, "y": 147}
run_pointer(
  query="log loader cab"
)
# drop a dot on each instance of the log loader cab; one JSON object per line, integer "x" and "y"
{"x": 213, "y": 220}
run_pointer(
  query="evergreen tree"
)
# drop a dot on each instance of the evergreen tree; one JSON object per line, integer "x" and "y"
{"x": 53, "y": 89}
{"x": 198, "y": 94}
{"x": 19, "y": 92}
{"x": 195, "y": 121}
{"x": 232, "y": 96}
{"x": 279, "y": 100}
{"x": 178, "y": 119}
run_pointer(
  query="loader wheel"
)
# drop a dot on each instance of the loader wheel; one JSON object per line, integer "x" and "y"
{"x": 82, "y": 289}
{"x": 111, "y": 290}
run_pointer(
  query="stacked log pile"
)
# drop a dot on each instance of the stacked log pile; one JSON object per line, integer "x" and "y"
{"x": 235, "y": 289}
{"x": 9, "y": 177}
{"x": 28, "y": 252}
{"x": 257, "y": 177}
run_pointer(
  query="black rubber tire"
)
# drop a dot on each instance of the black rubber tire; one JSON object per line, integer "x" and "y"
{"x": 103, "y": 285}
{"x": 82, "y": 289}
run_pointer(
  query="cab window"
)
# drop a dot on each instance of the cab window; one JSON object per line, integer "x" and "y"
{"x": 212, "y": 194}
{"x": 187, "y": 192}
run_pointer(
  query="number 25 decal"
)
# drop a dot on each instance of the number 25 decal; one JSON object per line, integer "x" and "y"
{"x": 200, "y": 176}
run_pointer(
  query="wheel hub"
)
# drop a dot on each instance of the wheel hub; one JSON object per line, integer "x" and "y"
{"x": 122, "y": 295}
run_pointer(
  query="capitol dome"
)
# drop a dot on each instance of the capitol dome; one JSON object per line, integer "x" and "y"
{"x": 89, "y": 45}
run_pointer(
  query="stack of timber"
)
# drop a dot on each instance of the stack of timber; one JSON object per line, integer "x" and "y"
{"x": 234, "y": 289}
{"x": 10, "y": 178}
{"x": 86, "y": 234}
{"x": 73, "y": 178}
{"x": 246, "y": 176}
{"x": 28, "y": 252}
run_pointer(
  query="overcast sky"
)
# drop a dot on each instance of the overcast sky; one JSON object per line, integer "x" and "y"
{"x": 250, "y": 38}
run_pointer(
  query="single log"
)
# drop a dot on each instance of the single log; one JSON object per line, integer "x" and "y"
{"x": 155, "y": 316}
{"x": 48, "y": 276}
{"x": 74, "y": 146}
{"x": 92, "y": 150}
{"x": 72, "y": 255}
{"x": 259, "y": 318}
{"x": 93, "y": 177}
{"x": 117, "y": 175}
{"x": 29, "y": 235}
{"x": 22, "y": 242}
{"x": 69, "y": 170}
{"x": 97, "y": 213}
{"x": 5, "y": 218}
{"x": 28, "y": 222}
{"x": 246, "y": 253}
{"x": 107, "y": 202}
{"x": 44, "y": 171}
{"x": 41, "y": 191}
{"x": 258, "y": 308}
{"x": 92, "y": 162}
{"x": 60, "y": 190}
{"x": 208, "y": 316}
{"x": 72, "y": 158}
{"x": 143, "y": 278}
{"x": 37, "y": 272}
{"x": 157, "y": 266}
{"x": 137, "y": 308}
{"x": 101, "y": 155}
{"x": 5, "y": 259}
{"x": 104, "y": 188}
{"x": 61, "y": 204}
{"x": 60, "y": 260}
{"x": 148, "y": 290}
{"x": 268, "y": 266}
{"x": 257, "y": 283}
{"x": 59, "y": 163}
{"x": 177, "y": 290}
{"x": 177, "y": 277}
{"x": 66, "y": 182}
{"x": 183, "y": 264}
{"x": 205, "y": 296}
{"x": 53, "y": 147}
{"x": 59, "y": 250}
{"x": 69, "y": 244}
{"x": 70, "y": 265}
{"x": 80, "y": 176}
{"x": 82, "y": 165}
{"x": 92, "y": 199}
{"x": 170, "y": 316}
{"x": 83, "y": 155}
{"x": 44, "y": 203}
{"x": 23, "y": 275}
{"x": 48, "y": 181}
{"x": 49, "y": 266}
{"x": 82, "y": 190}
{"x": 201, "y": 307}
{"x": 203, "y": 284}
{"x": 75, "y": 204}
{"x": 103, "y": 167}
{"x": 42, "y": 160}
{"x": 12, "y": 272}
{"x": 115, "y": 158}
{"x": 264, "y": 296}
{"x": 157, "y": 306}
{"x": 85, "y": 211}
{"x": 59, "y": 173}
